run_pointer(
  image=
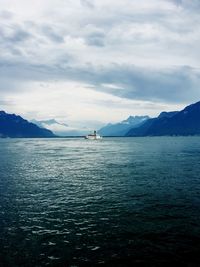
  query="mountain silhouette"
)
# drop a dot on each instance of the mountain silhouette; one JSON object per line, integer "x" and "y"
{"x": 184, "y": 122}
{"x": 121, "y": 128}
{"x": 12, "y": 125}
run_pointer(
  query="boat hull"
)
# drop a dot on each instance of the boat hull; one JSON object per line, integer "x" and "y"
{"x": 91, "y": 137}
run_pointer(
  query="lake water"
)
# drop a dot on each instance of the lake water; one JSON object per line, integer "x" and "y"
{"x": 112, "y": 202}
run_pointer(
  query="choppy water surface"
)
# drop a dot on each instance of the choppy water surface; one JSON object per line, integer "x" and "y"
{"x": 114, "y": 202}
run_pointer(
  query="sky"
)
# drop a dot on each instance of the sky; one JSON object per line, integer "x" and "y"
{"x": 90, "y": 62}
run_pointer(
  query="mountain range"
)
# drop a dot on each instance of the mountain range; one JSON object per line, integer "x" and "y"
{"x": 184, "y": 122}
{"x": 59, "y": 128}
{"x": 121, "y": 128}
{"x": 14, "y": 126}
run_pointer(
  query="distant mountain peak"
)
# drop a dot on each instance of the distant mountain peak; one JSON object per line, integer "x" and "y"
{"x": 121, "y": 128}
{"x": 49, "y": 122}
{"x": 132, "y": 119}
{"x": 60, "y": 128}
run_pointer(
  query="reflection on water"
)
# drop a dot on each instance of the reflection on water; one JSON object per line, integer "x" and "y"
{"x": 114, "y": 202}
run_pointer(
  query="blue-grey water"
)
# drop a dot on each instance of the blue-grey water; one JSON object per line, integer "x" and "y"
{"x": 114, "y": 202}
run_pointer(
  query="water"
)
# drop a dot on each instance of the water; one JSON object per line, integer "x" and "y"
{"x": 114, "y": 202}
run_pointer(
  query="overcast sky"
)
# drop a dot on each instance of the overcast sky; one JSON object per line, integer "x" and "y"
{"x": 98, "y": 60}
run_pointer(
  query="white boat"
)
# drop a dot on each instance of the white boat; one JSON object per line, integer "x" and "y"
{"x": 93, "y": 136}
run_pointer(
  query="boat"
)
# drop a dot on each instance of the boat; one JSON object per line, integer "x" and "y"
{"x": 93, "y": 136}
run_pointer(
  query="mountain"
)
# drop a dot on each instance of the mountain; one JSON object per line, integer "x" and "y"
{"x": 12, "y": 125}
{"x": 61, "y": 129}
{"x": 184, "y": 122}
{"x": 165, "y": 114}
{"x": 121, "y": 128}
{"x": 45, "y": 123}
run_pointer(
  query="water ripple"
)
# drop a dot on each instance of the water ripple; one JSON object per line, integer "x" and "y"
{"x": 119, "y": 202}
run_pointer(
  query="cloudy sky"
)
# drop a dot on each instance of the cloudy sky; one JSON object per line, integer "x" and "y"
{"x": 98, "y": 61}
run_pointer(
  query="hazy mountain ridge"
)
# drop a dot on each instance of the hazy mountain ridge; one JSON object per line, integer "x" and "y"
{"x": 41, "y": 123}
{"x": 60, "y": 128}
{"x": 121, "y": 128}
{"x": 15, "y": 126}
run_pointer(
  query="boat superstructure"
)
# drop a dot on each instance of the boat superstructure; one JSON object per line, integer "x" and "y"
{"x": 93, "y": 136}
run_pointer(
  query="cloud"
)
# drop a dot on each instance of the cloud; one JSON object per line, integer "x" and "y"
{"x": 13, "y": 34}
{"x": 52, "y": 34}
{"x": 96, "y": 39}
{"x": 5, "y": 103}
{"x": 172, "y": 85}
{"x": 132, "y": 50}
{"x": 5, "y": 14}
{"x": 189, "y": 4}
{"x": 175, "y": 85}
{"x": 87, "y": 3}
